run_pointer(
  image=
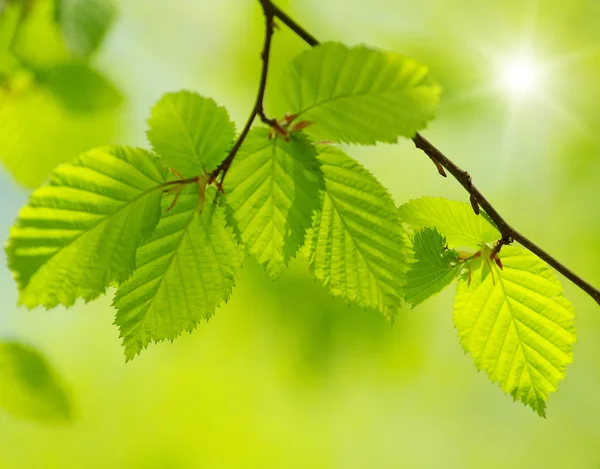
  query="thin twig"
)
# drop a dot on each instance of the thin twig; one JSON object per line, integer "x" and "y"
{"x": 476, "y": 197}
{"x": 258, "y": 109}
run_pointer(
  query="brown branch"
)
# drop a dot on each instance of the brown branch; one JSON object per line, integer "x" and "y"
{"x": 442, "y": 162}
{"x": 269, "y": 11}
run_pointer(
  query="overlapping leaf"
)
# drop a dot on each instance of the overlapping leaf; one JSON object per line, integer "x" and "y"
{"x": 84, "y": 23}
{"x": 359, "y": 95}
{"x": 80, "y": 233}
{"x": 79, "y": 88}
{"x": 272, "y": 189}
{"x": 435, "y": 266}
{"x": 191, "y": 134}
{"x": 455, "y": 220}
{"x": 184, "y": 271}
{"x": 356, "y": 246}
{"x": 28, "y": 386}
{"x": 517, "y": 325}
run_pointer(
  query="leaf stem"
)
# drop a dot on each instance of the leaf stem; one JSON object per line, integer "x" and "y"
{"x": 463, "y": 177}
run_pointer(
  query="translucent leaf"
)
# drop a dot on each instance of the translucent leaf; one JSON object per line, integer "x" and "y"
{"x": 455, "y": 220}
{"x": 184, "y": 271}
{"x": 434, "y": 269}
{"x": 80, "y": 233}
{"x": 272, "y": 190}
{"x": 80, "y": 88}
{"x": 359, "y": 95}
{"x": 517, "y": 325}
{"x": 356, "y": 246}
{"x": 190, "y": 133}
{"x": 28, "y": 386}
{"x": 85, "y": 23}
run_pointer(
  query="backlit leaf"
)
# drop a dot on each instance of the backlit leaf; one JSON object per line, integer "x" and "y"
{"x": 80, "y": 233}
{"x": 517, "y": 325}
{"x": 358, "y": 94}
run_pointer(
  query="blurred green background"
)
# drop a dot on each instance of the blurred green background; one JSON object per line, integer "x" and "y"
{"x": 284, "y": 376}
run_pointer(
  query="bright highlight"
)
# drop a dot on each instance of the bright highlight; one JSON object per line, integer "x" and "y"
{"x": 520, "y": 76}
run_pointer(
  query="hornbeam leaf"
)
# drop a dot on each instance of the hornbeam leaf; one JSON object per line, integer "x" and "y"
{"x": 517, "y": 325}
{"x": 356, "y": 246}
{"x": 190, "y": 133}
{"x": 455, "y": 220}
{"x": 272, "y": 190}
{"x": 29, "y": 387}
{"x": 435, "y": 266}
{"x": 84, "y": 23}
{"x": 80, "y": 233}
{"x": 184, "y": 271}
{"x": 359, "y": 95}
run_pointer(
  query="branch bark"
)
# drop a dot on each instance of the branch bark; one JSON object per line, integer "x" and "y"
{"x": 509, "y": 234}
{"x": 269, "y": 11}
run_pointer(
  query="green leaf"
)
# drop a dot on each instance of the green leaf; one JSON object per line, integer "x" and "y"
{"x": 10, "y": 17}
{"x": 190, "y": 133}
{"x": 517, "y": 325}
{"x": 80, "y": 233}
{"x": 272, "y": 190}
{"x": 79, "y": 88}
{"x": 356, "y": 246}
{"x": 85, "y": 23}
{"x": 455, "y": 220}
{"x": 29, "y": 388}
{"x": 184, "y": 271}
{"x": 435, "y": 267}
{"x": 359, "y": 95}
{"x": 39, "y": 42}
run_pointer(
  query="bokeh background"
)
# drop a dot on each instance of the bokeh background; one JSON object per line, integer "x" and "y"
{"x": 285, "y": 376}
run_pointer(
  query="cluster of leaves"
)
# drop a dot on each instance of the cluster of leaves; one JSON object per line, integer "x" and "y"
{"x": 46, "y": 49}
{"x": 173, "y": 241}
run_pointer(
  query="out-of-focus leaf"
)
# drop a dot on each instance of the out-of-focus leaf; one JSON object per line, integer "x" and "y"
{"x": 85, "y": 23}
{"x": 29, "y": 387}
{"x": 39, "y": 42}
{"x": 80, "y": 88}
{"x": 37, "y": 134}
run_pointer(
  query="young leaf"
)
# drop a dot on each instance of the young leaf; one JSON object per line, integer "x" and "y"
{"x": 84, "y": 23}
{"x": 356, "y": 246}
{"x": 359, "y": 95}
{"x": 435, "y": 267}
{"x": 79, "y": 88}
{"x": 28, "y": 386}
{"x": 184, "y": 271}
{"x": 517, "y": 326}
{"x": 80, "y": 233}
{"x": 455, "y": 220}
{"x": 190, "y": 133}
{"x": 272, "y": 190}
